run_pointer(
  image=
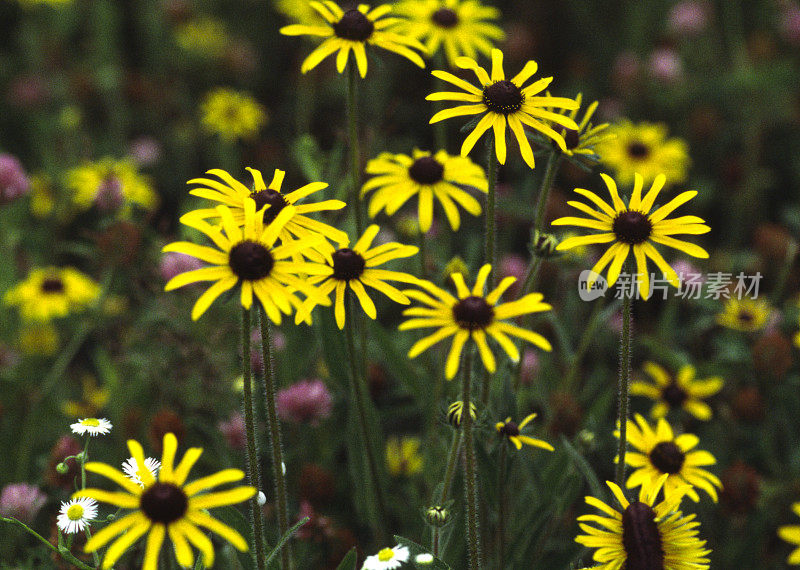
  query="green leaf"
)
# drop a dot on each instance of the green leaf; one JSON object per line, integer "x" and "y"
{"x": 584, "y": 467}
{"x": 286, "y": 536}
{"x": 415, "y": 550}
{"x": 349, "y": 561}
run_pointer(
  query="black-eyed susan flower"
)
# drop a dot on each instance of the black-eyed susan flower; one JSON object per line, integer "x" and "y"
{"x": 92, "y": 426}
{"x": 745, "y": 314}
{"x": 456, "y": 409}
{"x": 354, "y": 267}
{"x": 472, "y": 316}
{"x": 635, "y": 227}
{"x": 231, "y": 114}
{"x": 234, "y": 195}
{"x": 502, "y": 103}
{"x": 94, "y": 399}
{"x": 165, "y": 506}
{"x": 581, "y": 143}
{"x": 644, "y": 148}
{"x": 248, "y": 257}
{"x": 299, "y": 11}
{"x": 681, "y": 391}
{"x": 791, "y": 534}
{"x": 110, "y": 185}
{"x": 354, "y": 30}
{"x": 51, "y": 292}
{"x": 403, "y": 458}
{"x": 399, "y": 177}
{"x": 659, "y": 452}
{"x": 513, "y": 432}
{"x": 76, "y": 514}
{"x": 459, "y": 27}
{"x": 645, "y": 534}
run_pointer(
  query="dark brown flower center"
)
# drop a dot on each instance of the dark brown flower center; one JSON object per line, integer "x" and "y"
{"x": 445, "y": 18}
{"x": 426, "y": 170}
{"x": 674, "y": 395}
{"x": 250, "y": 261}
{"x": 52, "y": 285}
{"x": 746, "y": 316}
{"x": 164, "y": 503}
{"x": 641, "y": 538}
{"x": 473, "y": 313}
{"x": 271, "y": 198}
{"x": 503, "y": 97}
{"x": 509, "y": 429}
{"x": 354, "y": 26}
{"x": 667, "y": 457}
{"x": 632, "y": 227}
{"x": 347, "y": 264}
{"x": 638, "y": 150}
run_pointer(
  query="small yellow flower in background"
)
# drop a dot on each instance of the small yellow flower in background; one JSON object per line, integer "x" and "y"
{"x": 459, "y": 27}
{"x": 299, "y": 11}
{"x": 402, "y": 456}
{"x": 632, "y": 228}
{"x": 271, "y": 201}
{"x": 51, "y": 3}
{"x": 791, "y": 534}
{"x": 471, "y": 316}
{"x": 94, "y": 399}
{"x": 644, "y": 534}
{"x": 745, "y": 315}
{"x": 583, "y": 142}
{"x": 248, "y": 257}
{"x": 52, "y": 292}
{"x": 645, "y": 149}
{"x": 43, "y": 195}
{"x": 682, "y": 391}
{"x": 38, "y": 338}
{"x": 231, "y": 114}
{"x": 203, "y": 36}
{"x": 512, "y": 432}
{"x": 110, "y": 185}
{"x": 353, "y": 30}
{"x": 664, "y": 453}
{"x": 504, "y": 103}
{"x": 399, "y": 177}
{"x": 354, "y": 267}
{"x": 165, "y": 506}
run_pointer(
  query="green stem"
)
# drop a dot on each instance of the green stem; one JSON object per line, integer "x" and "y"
{"x": 783, "y": 276}
{"x": 421, "y": 254}
{"x": 527, "y": 285}
{"x": 450, "y": 470}
{"x": 435, "y": 542}
{"x": 501, "y": 507}
{"x": 361, "y": 410}
{"x": 583, "y": 345}
{"x": 63, "y": 552}
{"x": 489, "y": 249}
{"x": 544, "y": 189}
{"x": 355, "y": 150}
{"x": 471, "y": 476}
{"x": 253, "y": 475}
{"x": 624, "y": 382}
{"x": 275, "y": 439}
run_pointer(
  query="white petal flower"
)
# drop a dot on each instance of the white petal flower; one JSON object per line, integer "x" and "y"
{"x": 424, "y": 559}
{"x": 92, "y": 426}
{"x": 131, "y": 469}
{"x": 75, "y": 515}
{"x": 387, "y": 559}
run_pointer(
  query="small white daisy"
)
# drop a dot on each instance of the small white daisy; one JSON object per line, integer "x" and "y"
{"x": 387, "y": 559}
{"x": 76, "y": 515}
{"x": 424, "y": 559}
{"x": 131, "y": 469}
{"x": 92, "y": 426}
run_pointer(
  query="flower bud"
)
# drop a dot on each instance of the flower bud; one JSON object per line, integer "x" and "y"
{"x": 455, "y": 410}
{"x": 437, "y": 516}
{"x": 62, "y": 468}
{"x": 544, "y": 245}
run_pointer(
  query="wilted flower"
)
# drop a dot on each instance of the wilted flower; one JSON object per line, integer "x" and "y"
{"x": 306, "y": 401}
{"x": 21, "y": 501}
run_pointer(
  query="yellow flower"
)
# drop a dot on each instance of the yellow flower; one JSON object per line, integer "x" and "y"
{"x": 271, "y": 202}
{"x": 746, "y": 314}
{"x": 633, "y": 227}
{"x": 43, "y": 196}
{"x": 231, "y": 114}
{"x": 502, "y": 102}
{"x": 51, "y": 3}
{"x": 645, "y": 149}
{"x": 94, "y": 399}
{"x": 582, "y": 142}
{"x": 354, "y": 30}
{"x": 39, "y": 338}
{"x": 460, "y": 27}
{"x": 456, "y": 409}
{"x": 353, "y": 268}
{"x": 511, "y": 431}
{"x": 472, "y": 316}
{"x": 203, "y": 36}
{"x": 166, "y": 506}
{"x": 52, "y": 292}
{"x": 664, "y": 453}
{"x": 403, "y": 457}
{"x": 682, "y": 391}
{"x": 110, "y": 185}
{"x": 441, "y": 176}
{"x": 644, "y": 534}
{"x": 248, "y": 257}
{"x": 791, "y": 534}
{"x": 299, "y": 11}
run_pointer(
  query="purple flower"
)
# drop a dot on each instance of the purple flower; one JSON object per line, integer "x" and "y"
{"x": 21, "y": 501}
{"x": 665, "y": 65}
{"x": 145, "y": 151}
{"x": 688, "y": 18}
{"x": 790, "y": 24}
{"x": 529, "y": 366}
{"x": 307, "y": 401}
{"x": 173, "y": 264}
{"x": 14, "y": 182}
{"x": 234, "y": 432}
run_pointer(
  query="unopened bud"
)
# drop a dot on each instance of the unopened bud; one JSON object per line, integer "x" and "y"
{"x": 62, "y": 468}
{"x": 544, "y": 245}
{"x": 455, "y": 410}
{"x": 437, "y": 516}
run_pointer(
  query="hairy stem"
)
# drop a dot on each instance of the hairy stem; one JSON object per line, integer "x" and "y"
{"x": 624, "y": 384}
{"x": 471, "y": 475}
{"x": 355, "y": 149}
